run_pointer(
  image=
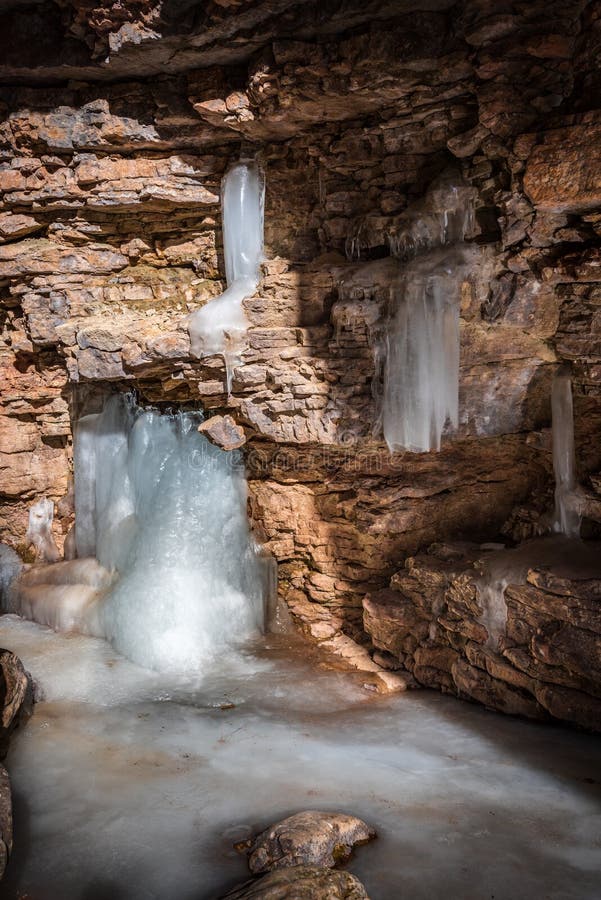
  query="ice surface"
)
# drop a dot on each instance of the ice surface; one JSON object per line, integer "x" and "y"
{"x": 178, "y": 578}
{"x": 567, "y": 516}
{"x": 132, "y": 785}
{"x": 220, "y": 326}
{"x": 421, "y": 370}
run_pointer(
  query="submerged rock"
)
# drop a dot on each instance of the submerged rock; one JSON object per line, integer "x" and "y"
{"x": 308, "y": 839}
{"x": 223, "y": 432}
{"x": 301, "y": 883}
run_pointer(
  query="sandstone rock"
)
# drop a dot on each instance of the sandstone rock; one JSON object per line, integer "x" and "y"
{"x": 562, "y": 172}
{"x": 308, "y": 839}
{"x": 301, "y": 883}
{"x": 13, "y": 226}
{"x": 224, "y": 432}
{"x": 548, "y": 659}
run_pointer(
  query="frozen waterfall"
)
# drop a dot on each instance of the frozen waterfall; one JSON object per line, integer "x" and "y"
{"x": 219, "y": 327}
{"x": 168, "y": 570}
{"x": 421, "y": 370}
{"x": 567, "y": 500}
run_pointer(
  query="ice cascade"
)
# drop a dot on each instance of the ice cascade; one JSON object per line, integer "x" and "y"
{"x": 421, "y": 369}
{"x": 167, "y": 567}
{"x": 220, "y": 326}
{"x": 567, "y": 515}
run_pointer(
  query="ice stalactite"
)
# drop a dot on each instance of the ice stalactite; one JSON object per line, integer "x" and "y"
{"x": 220, "y": 326}
{"x": 499, "y": 569}
{"x": 172, "y": 575}
{"x": 421, "y": 369}
{"x": 567, "y": 515}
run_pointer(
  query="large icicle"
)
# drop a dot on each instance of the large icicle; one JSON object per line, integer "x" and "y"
{"x": 220, "y": 326}
{"x": 421, "y": 372}
{"x": 567, "y": 500}
{"x": 177, "y": 578}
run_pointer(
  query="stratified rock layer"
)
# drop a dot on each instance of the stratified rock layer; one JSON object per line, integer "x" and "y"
{"x": 546, "y": 660}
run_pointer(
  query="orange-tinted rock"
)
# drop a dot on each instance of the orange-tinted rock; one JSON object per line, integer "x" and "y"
{"x": 563, "y": 172}
{"x": 548, "y": 657}
{"x": 223, "y": 432}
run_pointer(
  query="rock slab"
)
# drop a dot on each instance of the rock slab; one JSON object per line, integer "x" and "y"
{"x": 308, "y": 839}
{"x": 224, "y": 432}
{"x": 301, "y": 883}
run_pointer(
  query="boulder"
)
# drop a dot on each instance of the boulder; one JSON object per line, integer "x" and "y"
{"x": 308, "y": 839}
{"x": 223, "y": 432}
{"x": 301, "y": 883}
{"x": 16, "y": 697}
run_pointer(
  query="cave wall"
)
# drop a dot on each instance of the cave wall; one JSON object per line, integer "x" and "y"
{"x": 118, "y": 122}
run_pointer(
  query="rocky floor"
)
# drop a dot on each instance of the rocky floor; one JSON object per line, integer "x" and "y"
{"x": 126, "y": 786}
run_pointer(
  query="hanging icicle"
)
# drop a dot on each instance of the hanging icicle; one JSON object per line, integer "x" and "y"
{"x": 421, "y": 370}
{"x": 220, "y": 326}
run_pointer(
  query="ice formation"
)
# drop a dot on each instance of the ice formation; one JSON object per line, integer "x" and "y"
{"x": 11, "y": 565}
{"x": 421, "y": 369}
{"x": 170, "y": 573}
{"x": 497, "y": 570}
{"x": 567, "y": 557}
{"x": 220, "y": 326}
{"x": 567, "y": 500}
{"x": 39, "y": 533}
{"x": 66, "y": 596}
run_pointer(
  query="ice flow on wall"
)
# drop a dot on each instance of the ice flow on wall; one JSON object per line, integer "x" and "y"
{"x": 168, "y": 570}
{"x": 220, "y": 326}
{"x": 567, "y": 515}
{"x": 421, "y": 369}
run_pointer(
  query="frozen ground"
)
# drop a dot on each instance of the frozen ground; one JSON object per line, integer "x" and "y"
{"x": 128, "y": 786}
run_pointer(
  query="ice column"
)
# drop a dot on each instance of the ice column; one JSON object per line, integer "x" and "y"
{"x": 421, "y": 371}
{"x": 220, "y": 326}
{"x": 193, "y": 584}
{"x": 567, "y": 501}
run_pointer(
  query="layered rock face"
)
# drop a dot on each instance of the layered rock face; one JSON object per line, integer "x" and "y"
{"x": 436, "y": 620}
{"x": 118, "y": 123}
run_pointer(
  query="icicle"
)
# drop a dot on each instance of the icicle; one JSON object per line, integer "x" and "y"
{"x": 567, "y": 500}
{"x": 220, "y": 326}
{"x": 421, "y": 372}
{"x": 84, "y": 464}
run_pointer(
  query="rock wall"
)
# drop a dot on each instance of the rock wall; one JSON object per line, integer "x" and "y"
{"x": 118, "y": 122}
{"x": 546, "y": 662}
